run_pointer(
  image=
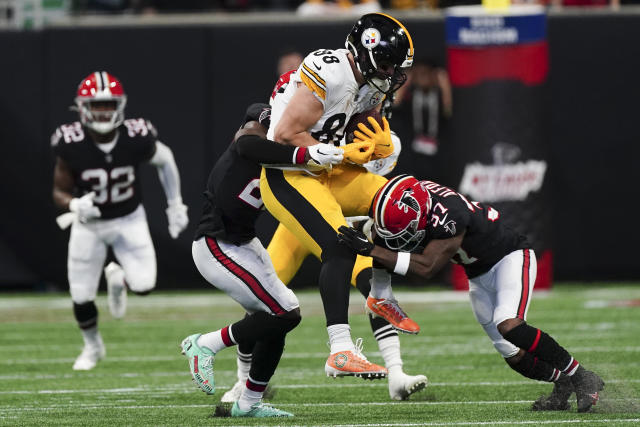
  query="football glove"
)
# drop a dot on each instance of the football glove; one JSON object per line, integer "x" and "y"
{"x": 177, "y": 217}
{"x": 381, "y": 137}
{"x": 358, "y": 152}
{"x": 84, "y": 208}
{"x": 324, "y": 155}
{"x": 355, "y": 239}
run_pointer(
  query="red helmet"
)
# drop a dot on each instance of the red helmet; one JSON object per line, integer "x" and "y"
{"x": 101, "y": 88}
{"x": 400, "y": 211}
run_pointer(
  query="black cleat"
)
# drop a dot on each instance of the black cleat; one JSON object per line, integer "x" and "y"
{"x": 588, "y": 386}
{"x": 558, "y": 400}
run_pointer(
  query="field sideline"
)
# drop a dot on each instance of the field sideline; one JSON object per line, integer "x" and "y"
{"x": 144, "y": 381}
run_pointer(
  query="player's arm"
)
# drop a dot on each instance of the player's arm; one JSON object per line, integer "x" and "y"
{"x": 302, "y": 112}
{"x": 434, "y": 256}
{"x": 63, "y": 184}
{"x": 251, "y": 143}
{"x": 169, "y": 176}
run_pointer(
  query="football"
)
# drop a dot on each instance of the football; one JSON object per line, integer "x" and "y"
{"x": 360, "y": 118}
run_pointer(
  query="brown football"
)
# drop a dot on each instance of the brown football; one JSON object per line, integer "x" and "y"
{"x": 360, "y": 118}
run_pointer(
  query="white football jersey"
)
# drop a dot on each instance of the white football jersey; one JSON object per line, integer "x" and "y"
{"x": 329, "y": 76}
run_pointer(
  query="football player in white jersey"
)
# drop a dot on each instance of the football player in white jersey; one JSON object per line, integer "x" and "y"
{"x": 95, "y": 178}
{"x": 328, "y": 88}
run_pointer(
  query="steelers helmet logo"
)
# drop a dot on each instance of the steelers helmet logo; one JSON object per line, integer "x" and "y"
{"x": 340, "y": 360}
{"x": 370, "y": 38}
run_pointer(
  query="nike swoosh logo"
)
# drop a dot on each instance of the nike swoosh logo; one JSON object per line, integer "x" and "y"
{"x": 316, "y": 65}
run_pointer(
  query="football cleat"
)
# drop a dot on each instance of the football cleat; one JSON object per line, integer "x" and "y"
{"x": 353, "y": 363}
{"x": 200, "y": 362}
{"x": 587, "y": 386}
{"x": 89, "y": 357}
{"x": 401, "y": 386}
{"x": 233, "y": 394}
{"x": 259, "y": 410}
{"x": 389, "y": 310}
{"x": 558, "y": 400}
{"x": 116, "y": 290}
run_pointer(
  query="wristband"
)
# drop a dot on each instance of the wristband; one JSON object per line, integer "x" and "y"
{"x": 402, "y": 263}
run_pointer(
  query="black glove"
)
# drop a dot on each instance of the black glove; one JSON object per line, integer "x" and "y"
{"x": 355, "y": 239}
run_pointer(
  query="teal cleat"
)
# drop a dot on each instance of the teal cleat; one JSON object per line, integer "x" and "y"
{"x": 200, "y": 362}
{"x": 259, "y": 410}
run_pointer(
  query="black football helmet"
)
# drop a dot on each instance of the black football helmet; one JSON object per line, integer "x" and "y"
{"x": 382, "y": 49}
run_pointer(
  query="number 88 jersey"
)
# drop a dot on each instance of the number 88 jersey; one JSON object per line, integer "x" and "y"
{"x": 328, "y": 74}
{"x": 113, "y": 175}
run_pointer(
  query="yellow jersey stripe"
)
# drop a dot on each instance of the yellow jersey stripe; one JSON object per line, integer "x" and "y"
{"x": 319, "y": 79}
{"x": 405, "y": 31}
{"x": 312, "y": 85}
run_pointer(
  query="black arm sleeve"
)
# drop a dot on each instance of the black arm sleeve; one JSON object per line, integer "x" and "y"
{"x": 265, "y": 151}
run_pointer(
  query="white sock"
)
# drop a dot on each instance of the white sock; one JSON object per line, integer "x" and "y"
{"x": 249, "y": 397}
{"x": 390, "y": 350}
{"x": 217, "y": 340}
{"x": 243, "y": 362}
{"x": 340, "y": 338}
{"x": 381, "y": 284}
{"x": 91, "y": 336}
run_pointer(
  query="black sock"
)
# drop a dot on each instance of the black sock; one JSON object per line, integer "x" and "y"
{"x": 534, "y": 368}
{"x": 86, "y": 314}
{"x": 538, "y": 343}
{"x": 334, "y": 281}
{"x": 266, "y": 356}
{"x": 263, "y": 326}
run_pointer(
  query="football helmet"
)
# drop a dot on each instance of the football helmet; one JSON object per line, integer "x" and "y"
{"x": 382, "y": 49}
{"x": 400, "y": 213}
{"x": 100, "y": 101}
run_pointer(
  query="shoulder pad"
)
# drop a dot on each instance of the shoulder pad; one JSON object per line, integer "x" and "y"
{"x": 321, "y": 70}
{"x": 68, "y": 133}
{"x": 140, "y": 127}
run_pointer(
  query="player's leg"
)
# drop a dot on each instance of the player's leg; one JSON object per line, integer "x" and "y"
{"x": 85, "y": 259}
{"x": 514, "y": 280}
{"x": 243, "y": 365}
{"x": 246, "y": 274}
{"x": 133, "y": 248}
{"x": 401, "y": 385}
{"x": 287, "y": 253}
{"x": 307, "y": 208}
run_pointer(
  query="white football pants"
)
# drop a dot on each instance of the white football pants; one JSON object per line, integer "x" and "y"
{"x": 502, "y": 293}
{"x": 131, "y": 242}
{"x": 245, "y": 273}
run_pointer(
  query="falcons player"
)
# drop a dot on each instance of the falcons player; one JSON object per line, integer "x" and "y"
{"x": 228, "y": 254}
{"x": 420, "y": 225}
{"x": 95, "y": 177}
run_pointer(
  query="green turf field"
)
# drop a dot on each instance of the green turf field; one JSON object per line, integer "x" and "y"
{"x": 145, "y": 381}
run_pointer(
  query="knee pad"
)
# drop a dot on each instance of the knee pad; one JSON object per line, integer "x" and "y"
{"x": 290, "y": 320}
{"x": 336, "y": 250}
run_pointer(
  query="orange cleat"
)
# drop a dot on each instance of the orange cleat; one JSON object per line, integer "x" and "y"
{"x": 389, "y": 310}
{"x": 353, "y": 363}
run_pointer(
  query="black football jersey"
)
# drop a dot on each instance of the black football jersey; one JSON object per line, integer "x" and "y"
{"x": 232, "y": 199}
{"x": 487, "y": 240}
{"x": 112, "y": 176}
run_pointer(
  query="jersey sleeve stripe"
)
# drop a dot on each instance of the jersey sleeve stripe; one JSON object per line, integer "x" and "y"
{"x": 315, "y": 75}
{"x": 313, "y": 84}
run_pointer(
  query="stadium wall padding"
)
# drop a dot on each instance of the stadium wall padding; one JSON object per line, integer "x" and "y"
{"x": 193, "y": 83}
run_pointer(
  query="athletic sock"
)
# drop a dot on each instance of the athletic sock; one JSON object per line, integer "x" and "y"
{"x": 251, "y": 394}
{"x": 243, "y": 362}
{"x": 381, "y": 284}
{"x": 534, "y": 368}
{"x": 217, "y": 340}
{"x": 91, "y": 337}
{"x": 390, "y": 350}
{"x": 340, "y": 338}
{"x": 540, "y": 344}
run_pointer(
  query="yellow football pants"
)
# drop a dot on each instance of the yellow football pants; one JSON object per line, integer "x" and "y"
{"x": 312, "y": 208}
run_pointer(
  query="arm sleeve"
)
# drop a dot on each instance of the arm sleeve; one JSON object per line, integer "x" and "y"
{"x": 268, "y": 152}
{"x": 167, "y": 172}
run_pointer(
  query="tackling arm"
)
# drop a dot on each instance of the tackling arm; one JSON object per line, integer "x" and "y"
{"x": 302, "y": 112}
{"x": 425, "y": 264}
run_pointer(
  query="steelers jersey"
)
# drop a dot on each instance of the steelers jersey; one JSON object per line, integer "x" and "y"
{"x": 328, "y": 74}
{"x": 486, "y": 241}
{"x": 112, "y": 176}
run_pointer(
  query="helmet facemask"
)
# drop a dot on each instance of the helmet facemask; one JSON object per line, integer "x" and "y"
{"x": 101, "y": 115}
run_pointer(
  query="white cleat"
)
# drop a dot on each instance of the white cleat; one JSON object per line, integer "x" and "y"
{"x": 89, "y": 357}
{"x": 401, "y": 386}
{"x": 116, "y": 290}
{"x": 233, "y": 394}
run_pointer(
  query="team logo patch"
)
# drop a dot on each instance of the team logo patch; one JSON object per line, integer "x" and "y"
{"x": 370, "y": 38}
{"x": 340, "y": 360}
